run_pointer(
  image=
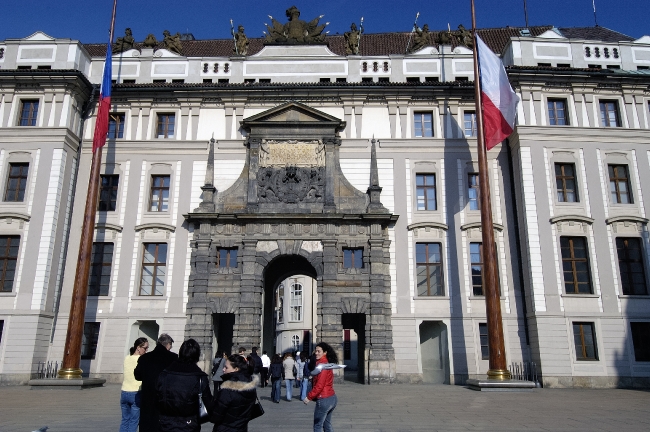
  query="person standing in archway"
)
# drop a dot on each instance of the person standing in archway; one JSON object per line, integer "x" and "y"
{"x": 323, "y": 390}
{"x": 289, "y": 365}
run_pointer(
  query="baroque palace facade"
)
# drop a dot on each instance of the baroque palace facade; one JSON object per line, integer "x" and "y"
{"x": 350, "y": 164}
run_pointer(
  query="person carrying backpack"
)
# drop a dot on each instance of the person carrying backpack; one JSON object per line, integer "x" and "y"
{"x": 276, "y": 370}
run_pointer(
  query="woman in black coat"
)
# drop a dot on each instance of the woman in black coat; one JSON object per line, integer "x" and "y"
{"x": 233, "y": 403}
{"x": 178, "y": 391}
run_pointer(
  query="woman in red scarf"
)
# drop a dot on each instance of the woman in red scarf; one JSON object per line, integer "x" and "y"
{"x": 323, "y": 389}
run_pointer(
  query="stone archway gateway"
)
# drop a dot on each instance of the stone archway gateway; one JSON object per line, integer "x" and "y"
{"x": 292, "y": 199}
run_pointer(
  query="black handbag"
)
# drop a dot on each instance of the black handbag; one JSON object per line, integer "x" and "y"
{"x": 204, "y": 417}
{"x": 257, "y": 410}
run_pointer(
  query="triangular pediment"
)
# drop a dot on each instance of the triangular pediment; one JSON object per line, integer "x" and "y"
{"x": 643, "y": 40}
{"x": 553, "y": 33}
{"x": 292, "y": 112}
{"x": 39, "y": 36}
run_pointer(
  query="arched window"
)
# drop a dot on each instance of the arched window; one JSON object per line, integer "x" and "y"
{"x": 295, "y": 342}
{"x": 280, "y": 303}
{"x": 296, "y": 301}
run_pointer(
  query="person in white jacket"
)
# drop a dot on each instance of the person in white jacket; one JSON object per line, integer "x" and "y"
{"x": 266, "y": 363}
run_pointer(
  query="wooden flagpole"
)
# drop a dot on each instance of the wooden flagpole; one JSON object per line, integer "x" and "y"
{"x": 72, "y": 353}
{"x": 498, "y": 366}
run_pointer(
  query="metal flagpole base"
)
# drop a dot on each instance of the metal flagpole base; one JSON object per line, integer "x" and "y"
{"x": 70, "y": 373}
{"x": 498, "y": 374}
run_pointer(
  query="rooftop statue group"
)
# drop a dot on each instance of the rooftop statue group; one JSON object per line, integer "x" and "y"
{"x": 296, "y": 31}
{"x": 127, "y": 42}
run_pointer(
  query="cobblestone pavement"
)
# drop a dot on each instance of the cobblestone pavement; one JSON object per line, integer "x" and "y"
{"x": 362, "y": 408}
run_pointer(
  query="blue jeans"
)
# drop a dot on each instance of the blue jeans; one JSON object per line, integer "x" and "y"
{"x": 304, "y": 383}
{"x": 130, "y": 403}
{"x": 288, "y": 383}
{"x": 323, "y": 414}
{"x": 276, "y": 389}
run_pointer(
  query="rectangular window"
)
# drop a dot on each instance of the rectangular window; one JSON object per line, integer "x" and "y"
{"x": 476, "y": 268}
{"x": 575, "y": 264}
{"x": 473, "y": 191}
{"x": 641, "y": 340}
{"x": 630, "y": 264}
{"x": 116, "y": 125}
{"x": 89, "y": 340}
{"x": 428, "y": 259}
{"x": 585, "y": 341}
{"x": 483, "y": 335}
{"x": 100, "y": 269}
{"x": 352, "y": 258}
{"x": 565, "y": 181}
{"x": 425, "y": 189}
{"x": 227, "y": 257}
{"x": 16, "y": 182}
{"x": 2, "y": 326}
{"x": 609, "y": 114}
{"x": 280, "y": 304}
{"x": 159, "y": 200}
{"x": 619, "y": 184}
{"x": 166, "y": 125}
{"x": 108, "y": 192}
{"x": 8, "y": 257}
{"x": 423, "y": 122}
{"x": 470, "y": 123}
{"x": 296, "y": 301}
{"x": 28, "y": 112}
{"x": 557, "y": 114}
{"x": 154, "y": 268}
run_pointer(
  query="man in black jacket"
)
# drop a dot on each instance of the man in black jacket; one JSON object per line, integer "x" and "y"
{"x": 149, "y": 367}
{"x": 255, "y": 361}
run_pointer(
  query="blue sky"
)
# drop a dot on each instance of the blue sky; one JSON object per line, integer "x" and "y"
{"x": 88, "y": 20}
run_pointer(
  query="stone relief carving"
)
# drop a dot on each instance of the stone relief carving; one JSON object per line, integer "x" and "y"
{"x": 292, "y": 153}
{"x": 291, "y": 184}
{"x": 312, "y": 246}
{"x": 266, "y": 246}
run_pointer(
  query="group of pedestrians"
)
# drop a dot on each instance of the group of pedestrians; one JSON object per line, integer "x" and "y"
{"x": 164, "y": 391}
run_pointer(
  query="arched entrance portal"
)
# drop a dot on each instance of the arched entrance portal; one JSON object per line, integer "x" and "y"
{"x": 289, "y": 291}
{"x": 292, "y": 211}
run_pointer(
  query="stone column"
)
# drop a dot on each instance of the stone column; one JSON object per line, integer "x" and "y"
{"x": 330, "y": 328}
{"x": 199, "y": 317}
{"x": 248, "y": 329}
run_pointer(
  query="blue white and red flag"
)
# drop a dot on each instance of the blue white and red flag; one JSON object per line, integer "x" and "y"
{"x": 101, "y": 124}
{"x": 499, "y": 100}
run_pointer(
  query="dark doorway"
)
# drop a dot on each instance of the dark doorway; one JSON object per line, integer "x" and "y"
{"x": 354, "y": 346}
{"x": 222, "y": 324}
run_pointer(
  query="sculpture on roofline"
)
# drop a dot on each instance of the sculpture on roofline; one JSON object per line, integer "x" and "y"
{"x": 124, "y": 43}
{"x": 172, "y": 42}
{"x": 296, "y": 31}
{"x": 465, "y": 36}
{"x": 241, "y": 41}
{"x": 150, "y": 41}
{"x": 352, "y": 39}
{"x": 421, "y": 38}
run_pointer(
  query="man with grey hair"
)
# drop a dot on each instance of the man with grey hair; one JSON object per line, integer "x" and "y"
{"x": 149, "y": 367}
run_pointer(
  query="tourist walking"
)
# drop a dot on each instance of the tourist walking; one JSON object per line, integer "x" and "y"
{"x": 300, "y": 363}
{"x": 255, "y": 361}
{"x": 149, "y": 367}
{"x": 130, "y": 396}
{"x": 232, "y": 405}
{"x": 276, "y": 370}
{"x": 304, "y": 382}
{"x": 289, "y": 374}
{"x": 266, "y": 362}
{"x": 178, "y": 390}
{"x": 218, "y": 363}
{"x": 323, "y": 389}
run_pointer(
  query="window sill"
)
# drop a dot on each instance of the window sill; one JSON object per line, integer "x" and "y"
{"x": 431, "y": 297}
{"x": 580, "y": 295}
{"x": 634, "y": 296}
{"x": 149, "y": 297}
{"x": 99, "y": 297}
{"x": 8, "y": 294}
{"x": 483, "y": 297}
{"x": 587, "y": 361}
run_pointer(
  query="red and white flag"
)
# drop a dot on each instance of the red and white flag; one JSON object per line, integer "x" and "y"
{"x": 499, "y": 100}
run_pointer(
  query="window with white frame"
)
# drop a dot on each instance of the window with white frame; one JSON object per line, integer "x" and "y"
{"x": 296, "y": 301}
{"x": 295, "y": 342}
{"x": 469, "y": 121}
{"x": 423, "y": 124}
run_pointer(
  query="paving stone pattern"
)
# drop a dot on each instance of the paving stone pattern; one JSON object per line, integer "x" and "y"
{"x": 361, "y": 408}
